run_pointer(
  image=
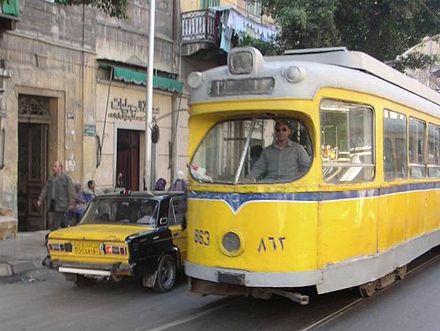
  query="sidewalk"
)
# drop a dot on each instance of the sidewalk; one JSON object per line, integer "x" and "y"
{"x": 22, "y": 254}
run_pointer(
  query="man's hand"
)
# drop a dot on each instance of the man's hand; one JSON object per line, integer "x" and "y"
{"x": 38, "y": 203}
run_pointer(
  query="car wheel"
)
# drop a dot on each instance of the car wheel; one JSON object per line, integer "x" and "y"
{"x": 82, "y": 281}
{"x": 166, "y": 274}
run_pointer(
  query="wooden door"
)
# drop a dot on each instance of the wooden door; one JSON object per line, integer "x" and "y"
{"x": 32, "y": 175}
{"x": 127, "y": 162}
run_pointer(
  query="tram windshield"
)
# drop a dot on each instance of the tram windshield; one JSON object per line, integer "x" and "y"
{"x": 253, "y": 150}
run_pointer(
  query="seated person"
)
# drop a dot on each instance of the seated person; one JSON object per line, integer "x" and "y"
{"x": 146, "y": 212}
{"x": 283, "y": 160}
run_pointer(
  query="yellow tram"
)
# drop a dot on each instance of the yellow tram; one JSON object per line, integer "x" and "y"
{"x": 363, "y": 207}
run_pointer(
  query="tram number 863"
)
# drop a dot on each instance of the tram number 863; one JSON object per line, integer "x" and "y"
{"x": 201, "y": 237}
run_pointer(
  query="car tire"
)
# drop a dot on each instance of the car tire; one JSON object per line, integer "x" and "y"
{"x": 166, "y": 274}
{"x": 82, "y": 281}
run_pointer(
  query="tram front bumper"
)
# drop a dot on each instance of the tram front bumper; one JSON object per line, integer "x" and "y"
{"x": 246, "y": 278}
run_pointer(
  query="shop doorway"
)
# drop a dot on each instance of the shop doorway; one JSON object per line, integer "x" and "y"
{"x": 127, "y": 158}
{"x": 33, "y": 130}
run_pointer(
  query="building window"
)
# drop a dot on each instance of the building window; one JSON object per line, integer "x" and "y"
{"x": 205, "y": 4}
{"x": 394, "y": 145}
{"x": 253, "y": 7}
{"x": 347, "y": 138}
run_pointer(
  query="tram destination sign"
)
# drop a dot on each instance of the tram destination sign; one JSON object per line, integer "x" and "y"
{"x": 229, "y": 87}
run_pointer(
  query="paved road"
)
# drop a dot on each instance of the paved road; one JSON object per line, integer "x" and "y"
{"x": 45, "y": 301}
{"x": 412, "y": 304}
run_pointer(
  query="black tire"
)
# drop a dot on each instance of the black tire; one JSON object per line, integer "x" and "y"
{"x": 82, "y": 281}
{"x": 166, "y": 274}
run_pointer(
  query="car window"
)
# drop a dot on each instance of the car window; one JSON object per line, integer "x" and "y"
{"x": 177, "y": 211}
{"x": 123, "y": 210}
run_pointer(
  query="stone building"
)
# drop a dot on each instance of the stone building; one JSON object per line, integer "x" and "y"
{"x": 74, "y": 91}
{"x": 428, "y": 76}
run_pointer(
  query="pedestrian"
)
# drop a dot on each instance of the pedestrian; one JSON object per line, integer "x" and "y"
{"x": 59, "y": 194}
{"x": 80, "y": 203}
{"x": 89, "y": 192}
{"x": 179, "y": 184}
{"x": 160, "y": 185}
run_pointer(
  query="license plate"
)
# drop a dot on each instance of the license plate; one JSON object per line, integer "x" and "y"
{"x": 87, "y": 249}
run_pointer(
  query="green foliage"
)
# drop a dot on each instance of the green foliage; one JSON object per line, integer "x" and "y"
{"x": 381, "y": 28}
{"x": 114, "y": 8}
{"x": 414, "y": 60}
{"x": 265, "y": 47}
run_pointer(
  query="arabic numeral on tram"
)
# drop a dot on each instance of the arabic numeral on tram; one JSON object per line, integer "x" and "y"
{"x": 201, "y": 237}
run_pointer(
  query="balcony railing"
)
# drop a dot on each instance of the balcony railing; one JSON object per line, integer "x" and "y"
{"x": 199, "y": 26}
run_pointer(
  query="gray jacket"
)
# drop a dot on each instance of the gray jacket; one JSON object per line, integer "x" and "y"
{"x": 284, "y": 164}
{"x": 60, "y": 190}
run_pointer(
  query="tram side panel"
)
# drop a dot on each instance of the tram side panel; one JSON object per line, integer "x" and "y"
{"x": 347, "y": 229}
{"x": 432, "y": 211}
{"x": 392, "y": 220}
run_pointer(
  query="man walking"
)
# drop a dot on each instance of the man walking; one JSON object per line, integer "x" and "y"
{"x": 59, "y": 193}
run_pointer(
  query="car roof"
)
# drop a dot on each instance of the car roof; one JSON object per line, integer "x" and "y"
{"x": 157, "y": 195}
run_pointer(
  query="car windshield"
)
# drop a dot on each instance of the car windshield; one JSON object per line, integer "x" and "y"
{"x": 122, "y": 210}
{"x": 265, "y": 150}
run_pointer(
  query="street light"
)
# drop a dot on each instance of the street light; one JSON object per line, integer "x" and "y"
{"x": 149, "y": 110}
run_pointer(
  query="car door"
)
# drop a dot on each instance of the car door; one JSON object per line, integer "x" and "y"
{"x": 177, "y": 224}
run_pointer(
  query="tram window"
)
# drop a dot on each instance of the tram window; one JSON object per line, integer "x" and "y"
{"x": 237, "y": 152}
{"x": 433, "y": 151}
{"x": 346, "y": 142}
{"x": 416, "y": 148}
{"x": 394, "y": 135}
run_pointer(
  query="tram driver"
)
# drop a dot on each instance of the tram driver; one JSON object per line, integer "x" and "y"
{"x": 284, "y": 160}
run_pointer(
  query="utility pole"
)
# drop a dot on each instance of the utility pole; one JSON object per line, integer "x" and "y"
{"x": 149, "y": 110}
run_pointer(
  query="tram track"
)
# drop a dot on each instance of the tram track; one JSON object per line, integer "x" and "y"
{"x": 419, "y": 264}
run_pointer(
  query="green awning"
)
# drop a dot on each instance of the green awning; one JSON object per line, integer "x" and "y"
{"x": 10, "y": 7}
{"x": 140, "y": 78}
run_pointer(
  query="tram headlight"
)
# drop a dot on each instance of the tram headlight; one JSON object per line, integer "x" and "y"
{"x": 294, "y": 74}
{"x": 195, "y": 79}
{"x": 231, "y": 244}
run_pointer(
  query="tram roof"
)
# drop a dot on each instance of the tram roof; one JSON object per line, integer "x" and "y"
{"x": 337, "y": 68}
{"x": 340, "y": 56}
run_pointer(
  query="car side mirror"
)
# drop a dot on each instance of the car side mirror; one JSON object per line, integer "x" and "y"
{"x": 163, "y": 221}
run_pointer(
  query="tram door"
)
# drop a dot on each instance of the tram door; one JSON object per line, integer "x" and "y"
{"x": 127, "y": 158}
{"x": 32, "y": 174}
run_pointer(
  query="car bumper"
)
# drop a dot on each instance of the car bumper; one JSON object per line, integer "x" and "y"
{"x": 95, "y": 270}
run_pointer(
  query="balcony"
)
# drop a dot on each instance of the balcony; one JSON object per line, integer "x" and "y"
{"x": 199, "y": 31}
{"x": 9, "y": 12}
{"x": 215, "y": 31}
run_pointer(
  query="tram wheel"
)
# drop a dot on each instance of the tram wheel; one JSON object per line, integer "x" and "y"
{"x": 367, "y": 290}
{"x": 401, "y": 272}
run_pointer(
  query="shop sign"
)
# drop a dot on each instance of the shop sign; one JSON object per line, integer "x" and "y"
{"x": 129, "y": 112}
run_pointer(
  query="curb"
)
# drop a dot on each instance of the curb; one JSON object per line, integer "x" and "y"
{"x": 9, "y": 269}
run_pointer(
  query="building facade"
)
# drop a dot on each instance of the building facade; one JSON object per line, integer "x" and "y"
{"x": 70, "y": 95}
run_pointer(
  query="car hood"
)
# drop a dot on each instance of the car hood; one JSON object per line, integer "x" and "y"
{"x": 106, "y": 232}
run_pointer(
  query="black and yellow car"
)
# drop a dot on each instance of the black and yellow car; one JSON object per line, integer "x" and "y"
{"x": 137, "y": 234}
